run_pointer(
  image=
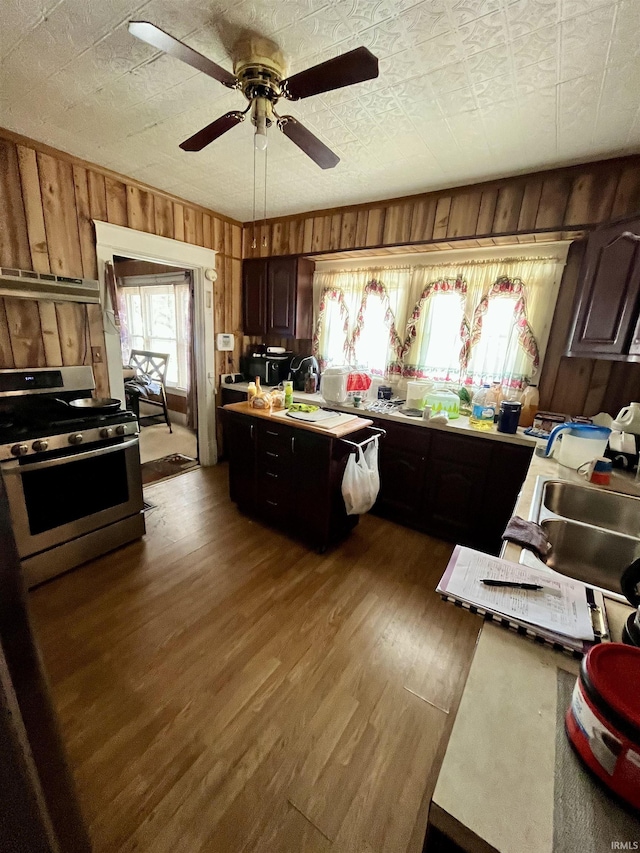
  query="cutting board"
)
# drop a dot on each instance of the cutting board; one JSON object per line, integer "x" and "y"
{"x": 320, "y": 419}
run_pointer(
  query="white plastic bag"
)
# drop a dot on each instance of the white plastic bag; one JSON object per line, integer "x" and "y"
{"x": 361, "y": 480}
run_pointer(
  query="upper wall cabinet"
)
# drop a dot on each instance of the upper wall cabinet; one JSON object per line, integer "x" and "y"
{"x": 607, "y": 313}
{"x": 277, "y": 297}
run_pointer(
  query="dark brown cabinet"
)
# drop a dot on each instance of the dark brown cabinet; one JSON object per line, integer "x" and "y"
{"x": 607, "y": 313}
{"x": 402, "y": 463}
{"x": 277, "y": 297}
{"x": 290, "y": 477}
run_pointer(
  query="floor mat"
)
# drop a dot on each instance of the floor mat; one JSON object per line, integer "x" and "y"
{"x": 168, "y": 466}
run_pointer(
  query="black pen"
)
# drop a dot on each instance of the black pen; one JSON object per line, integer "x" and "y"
{"x": 510, "y": 584}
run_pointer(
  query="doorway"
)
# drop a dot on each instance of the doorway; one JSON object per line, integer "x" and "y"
{"x": 114, "y": 241}
{"x": 156, "y": 310}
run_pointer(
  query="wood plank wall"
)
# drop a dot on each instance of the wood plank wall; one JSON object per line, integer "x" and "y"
{"x": 544, "y": 204}
{"x": 47, "y": 201}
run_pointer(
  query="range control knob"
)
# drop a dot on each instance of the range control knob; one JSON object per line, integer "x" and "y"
{"x": 106, "y": 432}
{"x": 75, "y": 438}
{"x": 40, "y": 445}
{"x": 121, "y": 429}
{"x": 19, "y": 449}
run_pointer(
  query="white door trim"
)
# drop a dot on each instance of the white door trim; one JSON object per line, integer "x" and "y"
{"x": 116, "y": 240}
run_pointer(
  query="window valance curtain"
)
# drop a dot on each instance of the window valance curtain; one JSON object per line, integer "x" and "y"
{"x": 465, "y": 322}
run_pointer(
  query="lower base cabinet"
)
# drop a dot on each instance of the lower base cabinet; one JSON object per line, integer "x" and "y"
{"x": 454, "y": 487}
{"x": 289, "y": 477}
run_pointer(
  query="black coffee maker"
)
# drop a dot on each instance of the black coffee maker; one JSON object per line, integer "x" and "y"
{"x": 300, "y": 366}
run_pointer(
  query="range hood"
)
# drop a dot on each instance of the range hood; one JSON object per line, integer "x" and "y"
{"x": 26, "y": 284}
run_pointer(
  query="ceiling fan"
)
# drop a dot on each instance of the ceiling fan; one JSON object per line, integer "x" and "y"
{"x": 259, "y": 72}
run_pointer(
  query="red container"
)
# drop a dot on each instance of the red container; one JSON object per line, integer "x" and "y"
{"x": 603, "y": 720}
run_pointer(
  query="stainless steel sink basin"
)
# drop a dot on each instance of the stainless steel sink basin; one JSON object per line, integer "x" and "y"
{"x": 611, "y": 510}
{"x": 594, "y": 533}
{"x": 590, "y": 554}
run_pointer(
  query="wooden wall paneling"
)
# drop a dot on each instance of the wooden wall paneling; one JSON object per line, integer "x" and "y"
{"x": 178, "y": 222}
{"x": 264, "y": 241}
{"x": 508, "y": 205}
{"x": 116, "y": 202}
{"x": 463, "y": 218}
{"x": 228, "y": 239}
{"x": 597, "y": 389}
{"x": 318, "y": 233}
{"x": 236, "y": 241}
{"x": 198, "y": 217}
{"x": 189, "y": 224}
{"x": 375, "y": 226}
{"x": 50, "y": 333}
{"x": 307, "y": 236}
{"x": 14, "y": 237}
{"x": 623, "y": 387}
{"x": 85, "y": 225}
{"x": 530, "y": 204}
{"x": 34, "y": 212}
{"x": 163, "y": 217}
{"x": 23, "y": 319}
{"x": 60, "y": 215}
{"x": 96, "y": 341}
{"x": 487, "y": 212}
{"x": 423, "y": 219}
{"x": 553, "y": 201}
{"x": 561, "y": 326}
{"x": 627, "y": 198}
{"x": 73, "y": 330}
{"x": 207, "y": 235}
{"x": 591, "y": 197}
{"x": 335, "y": 233}
{"x": 236, "y": 310}
{"x": 361, "y": 226}
{"x": 6, "y": 353}
{"x": 572, "y": 385}
{"x": 218, "y": 235}
{"x": 326, "y": 232}
{"x": 97, "y": 196}
{"x": 441, "y": 223}
{"x": 140, "y": 211}
{"x": 348, "y": 231}
{"x": 276, "y": 239}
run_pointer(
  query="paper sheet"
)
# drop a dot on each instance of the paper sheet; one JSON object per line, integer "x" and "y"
{"x": 561, "y": 606}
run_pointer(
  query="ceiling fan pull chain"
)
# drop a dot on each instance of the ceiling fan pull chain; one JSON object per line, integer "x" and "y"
{"x": 253, "y": 242}
{"x": 264, "y": 230}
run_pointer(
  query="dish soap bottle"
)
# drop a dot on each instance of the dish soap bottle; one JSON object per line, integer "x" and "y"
{"x": 483, "y": 409}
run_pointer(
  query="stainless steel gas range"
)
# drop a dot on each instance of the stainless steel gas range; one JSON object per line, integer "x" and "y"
{"x": 73, "y": 480}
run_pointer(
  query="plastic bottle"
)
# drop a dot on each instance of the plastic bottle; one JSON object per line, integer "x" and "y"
{"x": 251, "y": 391}
{"x": 288, "y": 394}
{"x": 530, "y": 405}
{"x": 495, "y": 397}
{"x": 482, "y": 410}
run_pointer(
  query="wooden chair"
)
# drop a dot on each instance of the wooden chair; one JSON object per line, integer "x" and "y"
{"x": 153, "y": 365}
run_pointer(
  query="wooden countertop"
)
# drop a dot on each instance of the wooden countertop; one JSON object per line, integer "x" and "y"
{"x": 336, "y": 432}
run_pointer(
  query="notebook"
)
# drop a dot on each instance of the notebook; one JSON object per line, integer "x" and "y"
{"x": 566, "y": 614}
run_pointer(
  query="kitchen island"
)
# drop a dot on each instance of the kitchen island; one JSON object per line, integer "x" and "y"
{"x": 289, "y": 472}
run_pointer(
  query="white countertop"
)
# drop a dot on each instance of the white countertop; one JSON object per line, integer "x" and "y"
{"x": 459, "y": 426}
{"x": 496, "y": 783}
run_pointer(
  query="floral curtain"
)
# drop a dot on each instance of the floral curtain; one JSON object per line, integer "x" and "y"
{"x": 465, "y": 322}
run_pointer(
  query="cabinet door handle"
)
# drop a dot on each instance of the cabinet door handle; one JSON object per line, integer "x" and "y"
{"x": 272, "y": 455}
{"x": 272, "y": 503}
{"x": 293, "y": 444}
{"x": 271, "y": 474}
{"x": 270, "y": 432}
{"x": 251, "y": 431}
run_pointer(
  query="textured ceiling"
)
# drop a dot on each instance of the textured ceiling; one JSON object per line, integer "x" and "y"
{"x": 468, "y": 89}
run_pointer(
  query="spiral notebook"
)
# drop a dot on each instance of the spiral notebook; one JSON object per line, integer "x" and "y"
{"x": 566, "y": 614}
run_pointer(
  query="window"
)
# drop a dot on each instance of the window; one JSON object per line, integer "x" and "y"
{"x": 493, "y": 356}
{"x": 438, "y": 338}
{"x": 157, "y": 319}
{"x": 372, "y": 344}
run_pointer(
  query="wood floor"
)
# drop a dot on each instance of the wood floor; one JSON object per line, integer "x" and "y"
{"x": 223, "y": 689}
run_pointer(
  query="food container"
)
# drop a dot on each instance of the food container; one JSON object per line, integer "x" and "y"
{"x": 334, "y": 384}
{"x": 417, "y": 393}
{"x": 603, "y": 720}
{"x": 442, "y": 400}
{"x": 508, "y": 416}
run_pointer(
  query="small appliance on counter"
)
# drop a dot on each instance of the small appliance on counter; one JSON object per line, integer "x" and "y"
{"x": 300, "y": 367}
{"x": 334, "y": 384}
{"x": 271, "y": 364}
{"x": 624, "y": 442}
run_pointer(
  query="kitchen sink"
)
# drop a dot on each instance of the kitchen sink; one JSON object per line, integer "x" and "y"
{"x": 594, "y": 533}
{"x": 611, "y": 510}
{"x": 590, "y": 554}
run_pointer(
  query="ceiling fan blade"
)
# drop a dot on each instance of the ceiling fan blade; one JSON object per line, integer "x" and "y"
{"x": 212, "y": 131}
{"x": 352, "y": 67}
{"x": 156, "y": 37}
{"x": 307, "y": 142}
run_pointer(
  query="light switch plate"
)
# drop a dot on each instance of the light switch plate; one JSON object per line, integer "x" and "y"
{"x": 224, "y": 342}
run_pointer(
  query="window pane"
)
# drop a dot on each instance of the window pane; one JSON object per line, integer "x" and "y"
{"x": 334, "y": 334}
{"x": 439, "y": 331}
{"x": 162, "y": 313}
{"x": 163, "y": 345}
{"x": 493, "y": 355}
{"x": 372, "y": 346}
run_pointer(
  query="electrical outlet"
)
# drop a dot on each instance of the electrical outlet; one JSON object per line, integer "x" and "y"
{"x": 96, "y": 355}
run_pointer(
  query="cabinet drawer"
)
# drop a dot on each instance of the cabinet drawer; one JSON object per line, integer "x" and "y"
{"x": 274, "y": 437}
{"x": 464, "y": 450}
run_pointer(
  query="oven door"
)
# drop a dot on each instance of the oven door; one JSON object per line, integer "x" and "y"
{"x": 58, "y": 498}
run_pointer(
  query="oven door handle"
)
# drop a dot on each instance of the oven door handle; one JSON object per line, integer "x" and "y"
{"x": 17, "y": 468}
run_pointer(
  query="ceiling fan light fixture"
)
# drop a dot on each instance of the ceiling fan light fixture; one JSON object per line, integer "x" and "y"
{"x": 260, "y": 137}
